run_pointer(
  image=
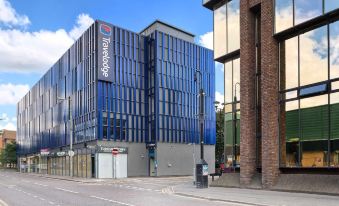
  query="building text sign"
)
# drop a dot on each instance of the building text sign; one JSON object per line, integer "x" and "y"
{"x": 105, "y": 51}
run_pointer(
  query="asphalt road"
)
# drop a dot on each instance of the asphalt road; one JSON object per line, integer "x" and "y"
{"x": 17, "y": 189}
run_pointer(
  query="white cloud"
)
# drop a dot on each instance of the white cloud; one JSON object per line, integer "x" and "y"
{"x": 24, "y": 52}
{"x": 206, "y": 40}
{"x": 6, "y": 122}
{"x": 11, "y": 93}
{"x": 219, "y": 98}
{"x": 9, "y": 17}
{"x": 83, "y": 22}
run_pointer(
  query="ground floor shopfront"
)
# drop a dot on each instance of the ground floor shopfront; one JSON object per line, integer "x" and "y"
{"x": 96, "y": 160}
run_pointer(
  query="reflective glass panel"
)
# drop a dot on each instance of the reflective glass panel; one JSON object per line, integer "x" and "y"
{"x": 283, "y": 15}
{"x": 313, "y": 56}
{"x": 331, "y": 5}
{"x": 334, "y": 112}
{"x": 233, "y": 25}
{"x": 289, "y": 61}
{"x": 314, "y": 131}
{"x": 334, "y": 49}
{"x": 236, "y": 79}
{"x": 289, "y": 133}
{"x": 229, "y": 141}
{"x": 220, "y": 31}
{"x": 228, "y": 82}
{"x": 306, "y": 10}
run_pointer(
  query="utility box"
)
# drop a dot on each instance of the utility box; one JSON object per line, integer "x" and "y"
{"x": 202, "y": 174}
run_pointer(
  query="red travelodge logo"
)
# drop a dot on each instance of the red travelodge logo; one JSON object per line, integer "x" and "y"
{"x": 105, "y": 29}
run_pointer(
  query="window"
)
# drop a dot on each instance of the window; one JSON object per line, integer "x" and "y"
{"x": 305, "y": 10}
{"x": 220, "y": 31}
{"x": 308, "y": 108}
{"x": 289, "y": 13}
{"x": 226, "y": 28}
{"x": 331, "y": 5}
{"x": 313, "y": 56}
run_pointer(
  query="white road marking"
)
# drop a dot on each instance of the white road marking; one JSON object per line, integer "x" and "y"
{"x": 65, "y": 190}
{"x": 50, "y": 202}
{"x": 40, "y": 184}
{"x": 3, "y": 203}
{"x": 114, "y": 201}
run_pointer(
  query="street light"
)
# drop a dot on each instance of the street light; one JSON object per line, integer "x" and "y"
{"x": 70, "y": 152}
{"x": 201, "y": 112}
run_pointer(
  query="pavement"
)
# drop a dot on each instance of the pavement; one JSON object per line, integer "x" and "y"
{"x": 20, "y": 189}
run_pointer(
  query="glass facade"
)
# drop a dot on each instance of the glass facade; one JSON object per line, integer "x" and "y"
{"x": 289, "y": 13}
{"x": 175, "y": 99}
{"x": 226, "y": 28}
{"x": 44, "y": 118}
{"x": 232, "y": 112}
{"x": 309, "y": 99}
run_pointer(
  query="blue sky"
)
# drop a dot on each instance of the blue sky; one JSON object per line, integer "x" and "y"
{"x": 34, "y": 34}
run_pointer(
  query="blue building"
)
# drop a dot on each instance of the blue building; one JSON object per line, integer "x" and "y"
{"x": 125, "y": 102}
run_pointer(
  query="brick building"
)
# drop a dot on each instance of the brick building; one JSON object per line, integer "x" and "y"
{"x": 281, "y": 85}
{"x": 6, "y": 137}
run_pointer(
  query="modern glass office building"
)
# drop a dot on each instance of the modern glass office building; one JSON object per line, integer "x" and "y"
{"x": 282, "y": 73}
{"x": 117, "y": 91}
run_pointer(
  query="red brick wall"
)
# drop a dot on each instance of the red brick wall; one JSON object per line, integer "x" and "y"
{"x": 247, "y": 86}
{"x": 269, "y": 97}
{"x": 269, "y": 93}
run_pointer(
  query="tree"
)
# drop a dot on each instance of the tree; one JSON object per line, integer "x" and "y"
{"x": 219, "y": 146}
{"x": 8, "y": 155}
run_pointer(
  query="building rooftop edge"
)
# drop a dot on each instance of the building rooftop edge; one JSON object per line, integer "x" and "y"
{"x": 167, "y": 24}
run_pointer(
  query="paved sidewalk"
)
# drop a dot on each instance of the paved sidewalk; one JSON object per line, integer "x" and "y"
{"x": 256, "y": 197}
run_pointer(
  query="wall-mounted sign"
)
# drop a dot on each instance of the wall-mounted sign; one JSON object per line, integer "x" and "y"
{"x": 105, "y": 51}
{"x": 44, "y": 152}
{"x": 106, "y": 149}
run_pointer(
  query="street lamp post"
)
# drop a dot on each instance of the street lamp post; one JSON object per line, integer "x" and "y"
{"x": 201, "y": 113}
{"x": 70, "y": 153}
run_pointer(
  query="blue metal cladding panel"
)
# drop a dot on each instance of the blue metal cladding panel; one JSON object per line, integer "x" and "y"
{"x": 43, "y": 119}
{"x": 122, "y": 102}
{"x": 176, "y": 91}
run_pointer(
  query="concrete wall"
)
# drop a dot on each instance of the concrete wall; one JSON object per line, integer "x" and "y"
{"x": 137, "y": 158}
{"x": 177, "y": 159}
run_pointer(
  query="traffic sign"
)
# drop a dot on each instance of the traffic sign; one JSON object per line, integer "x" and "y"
{"x": 70, "y": 153}
{"x": 115, "y": 151}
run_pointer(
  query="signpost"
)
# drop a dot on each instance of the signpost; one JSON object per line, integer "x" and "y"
{"x": 115, "y": 151}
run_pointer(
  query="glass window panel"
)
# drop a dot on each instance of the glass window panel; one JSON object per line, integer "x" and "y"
{"x": 331, "y": 5}
{"x": 335, "y": 85}
{"x": 313, "y": 90}
{"x": 291, "y": 94}
{"x": 283, "y": 15}
{"x": 290, "y": 133}
{"x": 228, "y": 82}
{"x": 314, "y": 131}
{"x": 313, "y": 56}
{"x": 233, "y": 25}
{"x": 220, "y": 31}
{"x": 228, "y": 134}
{"x": 334, "y": 112}
{"x": 306, "y": 10}
{"x": 289, "y": 62}
{"x": 236, "y": 79}
{"x": 334, "y": 49}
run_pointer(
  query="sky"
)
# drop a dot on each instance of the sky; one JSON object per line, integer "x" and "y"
{"x": 34, "y": 34}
